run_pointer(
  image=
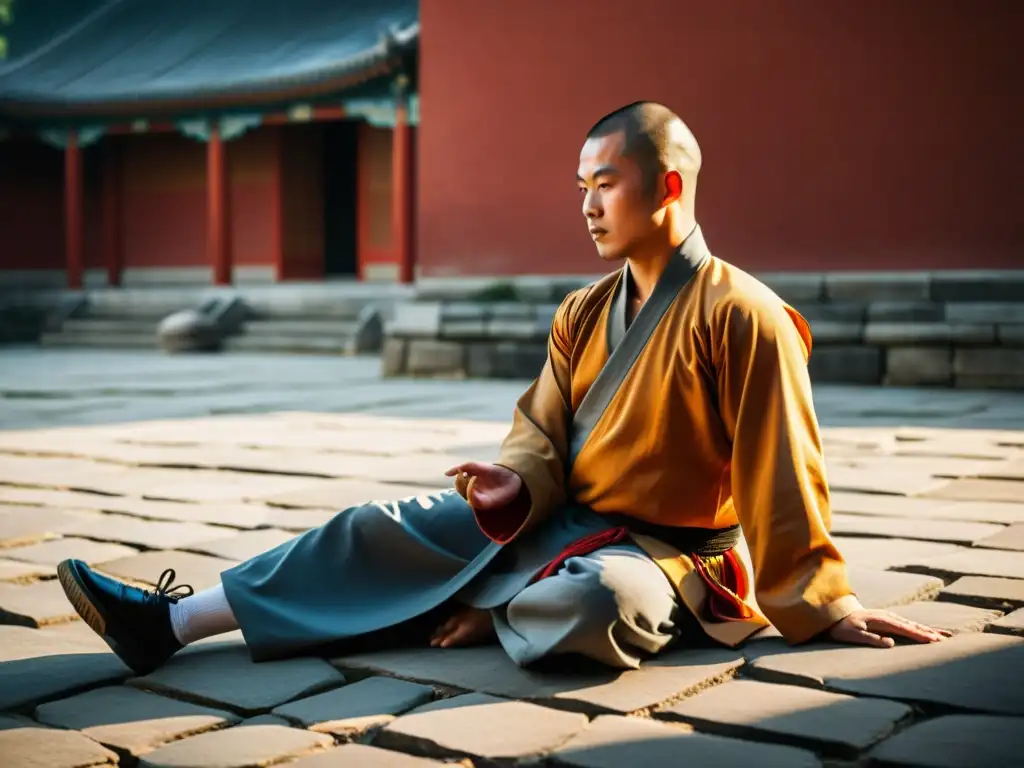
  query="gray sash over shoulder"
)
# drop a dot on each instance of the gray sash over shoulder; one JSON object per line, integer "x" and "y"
{"x": 625, "y": 346}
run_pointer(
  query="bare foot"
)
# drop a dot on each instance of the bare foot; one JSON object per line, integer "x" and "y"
{"x": 468, "y": 626}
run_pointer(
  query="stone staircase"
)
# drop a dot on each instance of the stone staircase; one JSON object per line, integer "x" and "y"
{"x": 112, "y": 319}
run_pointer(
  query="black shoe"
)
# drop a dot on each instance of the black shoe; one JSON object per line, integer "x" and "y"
{"x": 134, "y": 622}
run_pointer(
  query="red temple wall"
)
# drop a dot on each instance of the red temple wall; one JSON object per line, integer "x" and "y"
{"x": 836, "y": 136}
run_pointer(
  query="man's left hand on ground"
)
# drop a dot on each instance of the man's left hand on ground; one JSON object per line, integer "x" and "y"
{"x": 877, "y": 628}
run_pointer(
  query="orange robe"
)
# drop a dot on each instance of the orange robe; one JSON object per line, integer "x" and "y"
{"x": 713, "y": 426}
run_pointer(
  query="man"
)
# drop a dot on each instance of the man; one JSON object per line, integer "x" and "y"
{"x": 674, "y": 407}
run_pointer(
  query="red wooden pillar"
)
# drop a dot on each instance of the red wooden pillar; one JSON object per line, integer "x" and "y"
{"x": 113, "y": 248}
{"x": 403, "y": 225}
{"x": 74, "y": 231}
{"x": 218, "y": 213}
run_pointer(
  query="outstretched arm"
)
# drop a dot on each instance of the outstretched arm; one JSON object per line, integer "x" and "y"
{"x": 779, "y": 485}
{"x": 537, "y": 445}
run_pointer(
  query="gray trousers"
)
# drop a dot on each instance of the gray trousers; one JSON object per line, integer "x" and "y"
{"x": 376, "y": 567}
{"x": 614, "y": 606}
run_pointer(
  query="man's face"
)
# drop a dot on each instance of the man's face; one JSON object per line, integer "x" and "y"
{"x": 617, "y": 208}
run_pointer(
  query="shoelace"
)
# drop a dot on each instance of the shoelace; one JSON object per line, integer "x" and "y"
{"x": 163, "y": 587}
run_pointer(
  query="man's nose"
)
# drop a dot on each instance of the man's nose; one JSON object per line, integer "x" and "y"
{"x": 591, "y": 205}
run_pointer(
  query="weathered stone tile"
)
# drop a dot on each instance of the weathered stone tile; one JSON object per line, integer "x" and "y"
{"x": 17, "y": 572}
{"x": 1010, "y": 624}
{"x": 23, "y": 743}
{"x": 265, "y": 720}
{"x": 890, "y": 553}
{"x": 928, "y": 509}
{"x": 488, "y": 669}
{"x": 299, "y": 520}
{"x": 974, "y": 562}
{"x": 36, "y": 665}
{"x": 945, "y": 615}
{"x": 369, "y": 699}
{"x": 126, "y": 529}
{"x": 483, "y": 726}
{"x": 79, "y": 633}
{"x": 981, "y": 672}
{"x": 34, "y": 605}
{"x": 59, "y": 473}
{"x": 233, "y": 515}
{"x": 227, "y": 677}
{"x": 239, "y": 747}
{"x": 885, "y": 589}
{"x": 748, "y": 708}
{"x": 342, "y": 494}
{"x": 129, "y": 720}
{"x": 52, "y": 552}
{"x": 363, "y": 756}
{"x": 1003, "y": 470}
{"x": 976, "y": 489}
{"x": 985, "y": 592}
{"x": 878, "y": 480}
{"x": 1011, "y": 537}
{"x": 614, "y": 742}
{"x": 20, "y": 526}
{"x": 954, "y": 741}
{"x": 243, "y": 546}
{"x": 951, "y": 531}
{"x": 913, "y": 366}
{"x": 200, "y": 571}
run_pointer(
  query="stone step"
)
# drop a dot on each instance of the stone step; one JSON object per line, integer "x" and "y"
{"x": 130, "y": 325}
{"x": 105, "y": 339}
{"x": 329, "y": 328}
{"x": 265, "y": 342}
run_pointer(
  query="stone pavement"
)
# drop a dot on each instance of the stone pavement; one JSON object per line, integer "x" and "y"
{"x": 928, "y": 495}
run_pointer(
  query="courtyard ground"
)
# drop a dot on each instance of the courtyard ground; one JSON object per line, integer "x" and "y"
{"x": 137, "y": 462}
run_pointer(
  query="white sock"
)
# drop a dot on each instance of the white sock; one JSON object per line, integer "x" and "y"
{"x": 202, "y": 615}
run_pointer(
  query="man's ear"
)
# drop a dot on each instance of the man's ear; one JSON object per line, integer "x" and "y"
{"x": 673, "y": 187}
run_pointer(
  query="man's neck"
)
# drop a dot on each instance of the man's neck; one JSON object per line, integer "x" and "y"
{"x": 645, "y": 267}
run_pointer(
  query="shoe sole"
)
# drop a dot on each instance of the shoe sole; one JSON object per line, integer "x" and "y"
{"x": 81, "y": 599}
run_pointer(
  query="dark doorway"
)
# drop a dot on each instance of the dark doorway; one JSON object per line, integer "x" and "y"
{"x": 340, "y": 198}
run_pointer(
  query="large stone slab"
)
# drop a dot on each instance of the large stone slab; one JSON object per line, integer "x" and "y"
{"x": 979, "y": 489}
{"x": 973, "y": 671}
{"x": 478, "y": 725}
{"x": 21, "y": 525}
{"x": 240, "y": 747}
{"x": 335, "y": 711}
{"x": 985, "y": 592}
{"x": 35, "y": 605}
{"x": 488, "y": 669}
{"x": 227, "y": 677}
{"x": 995, "y": 368}
{"x": 342, "y": 494}
{"x": 364, "y": 756}
{"x": 233, "y": 515}
{"x": 875, "y": 504}
{"x": 874, "y": 479}
{"x": 946, "y": 615}
{"x": 913, "y": 366}
{"x": 36, "y": 665}
{"x": 615, "y": 742}
{"x": 12, "y": 571}
{"x": 1010, "y": 624}
{"x": 200, "y": 571}
{"x": 954, "y": 741}
{"x": 244, "y": 545}
{"x": 1011, "y": 537}
{"x": 126, "y": 529}
{"x": 885, "y": 589}
{"x": 129, "y": 720}
{"x": 846, "y": 364}
{"x": 52, "y": 552}
{"x": 30, "y": 745}
{"x": 300, "y": 520}
{"x": 890, "y": 553}
{"x": 1003, "y": 470}
{"x": 803, "y": 716}
{"x": 973, "y": 562}
{"x": 951, "y": 531}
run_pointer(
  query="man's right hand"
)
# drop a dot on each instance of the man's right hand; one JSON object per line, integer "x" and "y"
{"x": 486, "y": 486}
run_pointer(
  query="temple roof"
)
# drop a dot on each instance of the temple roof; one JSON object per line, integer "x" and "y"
{"x": 142, "y": 57}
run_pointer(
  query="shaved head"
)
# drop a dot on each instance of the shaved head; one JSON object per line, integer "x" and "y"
{"x": 655, "y": 138}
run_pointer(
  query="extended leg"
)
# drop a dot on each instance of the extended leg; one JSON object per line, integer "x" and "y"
{"x": 614, "y": 606}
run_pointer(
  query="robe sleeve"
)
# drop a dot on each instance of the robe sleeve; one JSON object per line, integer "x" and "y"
{"x": 536, "y": 448}
{"x": 779, "y": 486}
